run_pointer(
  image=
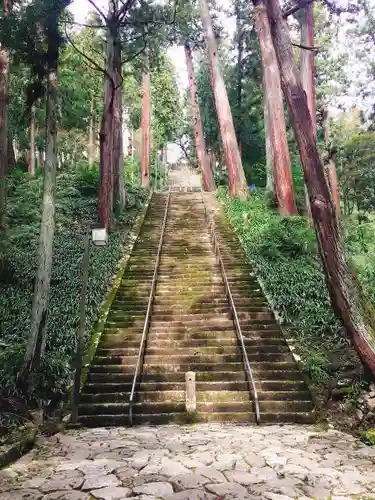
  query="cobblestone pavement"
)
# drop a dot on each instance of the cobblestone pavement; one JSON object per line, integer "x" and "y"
{"x": 194, "y": 463}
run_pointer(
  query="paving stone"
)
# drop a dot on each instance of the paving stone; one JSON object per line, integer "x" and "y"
{"x": 207, "y": 461}
{"x": 99, "y": 466}
{"x": 125, "y": 475}
{"x": 7, "y": 474}
{"x": 275, "y": 496}
{"x": 254, "y": 460}
{"x": 21, "y": 495}
{"x": 188, "y": 481}
{"x": 224, "y": 489}
{"x": 35, "y": 482}
{"x": 149, "y": 478}
{"x": 159, "y": 490}
{"x": 295, "y": 470}
{"x": 66, "y": 480}
{"x": 211, "y": 473}
{"x": 111, "y": 493}
{"x": 67, "y": 495}
{"x": 192, "y": 495}
{"x": 140, "y": 460}
{"x": 172, "y": 468}
{"x": 244, "y": 478}
{"x": 95, "y": 482}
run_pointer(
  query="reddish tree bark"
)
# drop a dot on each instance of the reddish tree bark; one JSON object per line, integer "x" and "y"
{"x": 276, "y": 127}
{"x": 91, "y": 149}
{"x": 200, "y": 143}
{"x": 106, "y": 141}
{"x": 145, "y": 126}
{"x": 307, "y": 68}
{"x": 117, "y": 166}
{"x": 331, "y": 167}
{"x": 32, "y": 143}
{"x": 267, "y": 137}
{"x": 236, "y": 176}
{"x": 350, "y": 306}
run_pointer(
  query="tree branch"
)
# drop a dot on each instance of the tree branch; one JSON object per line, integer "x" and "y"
{"x": 83, "y": 25}
{"x": 295, "y": 8}
{"x": 100, "y": 12}
{"x": 94, "y": 66}
{"x": 305, "y": 47}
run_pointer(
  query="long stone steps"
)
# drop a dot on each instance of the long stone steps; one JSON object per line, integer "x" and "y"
{"x": 190, "y": 330}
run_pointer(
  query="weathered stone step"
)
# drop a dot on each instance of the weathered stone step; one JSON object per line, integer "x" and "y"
{"x": 215, "y": 316}
{"x": 195, "y": 357}
{"x": 183, "y": 332}
{"x": 176, "y": 290}
{"x": 258, "y": 367}
{"x": 237, "y": 385}
{"x": 190, "y": 322}
{"x": 291, "y": 375}
{"x": 182, "y": 418}
{"x": 202, "y": 406}
{"x": 221, "y": 396}
{"x": 158, "y": 350}
{"x": 171, "y": 343}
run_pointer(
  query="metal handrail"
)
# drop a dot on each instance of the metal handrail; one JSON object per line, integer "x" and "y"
{"x": 148, "y": 312}
{"x": 245, "y": 358}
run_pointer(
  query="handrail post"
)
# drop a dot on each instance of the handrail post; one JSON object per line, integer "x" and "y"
{"x": 233, "y": 311}
{"x": 148, "y": 312}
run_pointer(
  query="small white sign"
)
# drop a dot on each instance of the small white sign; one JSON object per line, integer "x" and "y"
{"x": 99, "y": 237}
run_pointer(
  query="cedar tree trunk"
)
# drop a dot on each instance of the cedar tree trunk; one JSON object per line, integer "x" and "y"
{"x": 91, "y": 146}
{"x": 282, "y": 168}
{"x": 37, "y": 335}
{"x": 117, "y": 163}
{"x": 200, "y": 143}
{"x": 236, "y": 175}
{"x": 145, "y": 126}
{"x": 32, "y": 143}
{"x": 269, "y": 170}
{"x": 307, "y": 68}
{"x": 347, "y": 300}
{"x": 331, "y": 166}
{"x": 106, "y": 141}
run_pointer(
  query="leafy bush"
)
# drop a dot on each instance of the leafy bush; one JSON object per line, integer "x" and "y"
{"x": 284, "y": 254}
{"x": 76, "y": 210}
{"x": 358, "y": 174}
{"x": 131, "y": 170}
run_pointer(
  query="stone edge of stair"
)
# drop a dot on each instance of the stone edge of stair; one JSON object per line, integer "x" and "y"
{"x": 113, "y": 285}
{"x": 288, "y": 340}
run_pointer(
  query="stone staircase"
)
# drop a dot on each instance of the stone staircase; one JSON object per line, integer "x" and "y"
{"x": 190, "y": 330}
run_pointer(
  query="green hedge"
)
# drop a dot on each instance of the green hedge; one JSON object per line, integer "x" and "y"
{"x": 284, "y": 254}
{"x": 76, "y": 208}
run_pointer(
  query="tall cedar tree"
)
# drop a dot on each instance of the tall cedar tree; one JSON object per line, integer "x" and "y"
{"x": 347, "y": 301}
{"x": 146, "y": 129}
{"x": 49, "y": 28}
{"x": 200, "y": 143}
{"x": 236, "y": 176}
{"x": 276, "y": 126}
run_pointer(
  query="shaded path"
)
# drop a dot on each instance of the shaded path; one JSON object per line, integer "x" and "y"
{"x": 207, "y": 461}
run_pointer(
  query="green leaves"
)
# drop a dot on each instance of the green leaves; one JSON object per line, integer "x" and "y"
{"x": 76, "y": 209}
{"x": 284, "y": 254}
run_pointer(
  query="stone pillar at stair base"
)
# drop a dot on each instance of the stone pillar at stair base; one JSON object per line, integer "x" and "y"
{"x": 191, "y": 401}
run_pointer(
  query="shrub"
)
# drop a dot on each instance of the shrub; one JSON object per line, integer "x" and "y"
{"x": 76, "y": 210}
{"x": 284, "y": 254}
